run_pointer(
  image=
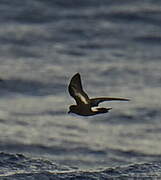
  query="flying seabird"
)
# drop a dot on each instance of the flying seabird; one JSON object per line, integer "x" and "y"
{"x": 84, "y": 105}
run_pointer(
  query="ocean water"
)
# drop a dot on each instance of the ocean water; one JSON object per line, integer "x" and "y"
{"x": 116, "y": 47}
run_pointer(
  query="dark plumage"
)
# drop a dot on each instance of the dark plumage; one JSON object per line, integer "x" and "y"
{"x": 84, "y": 105}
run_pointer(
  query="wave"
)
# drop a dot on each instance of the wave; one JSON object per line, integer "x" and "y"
{"x": 18, "y": 166}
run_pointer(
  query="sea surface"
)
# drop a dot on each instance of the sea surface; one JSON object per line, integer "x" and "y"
{"x": 116, "y": 47}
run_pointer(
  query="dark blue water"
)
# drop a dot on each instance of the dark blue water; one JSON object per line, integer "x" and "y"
{"x": 116, "y": 47}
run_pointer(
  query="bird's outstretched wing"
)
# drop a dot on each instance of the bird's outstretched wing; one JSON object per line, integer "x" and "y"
{"x": 76, "y": 91}
{"x": 96, "y": 101}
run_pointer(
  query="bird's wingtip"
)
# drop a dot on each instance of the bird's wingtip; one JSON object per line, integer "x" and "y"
{"x": 77, "y": 73}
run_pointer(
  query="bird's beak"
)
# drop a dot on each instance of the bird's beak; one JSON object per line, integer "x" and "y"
{"x": 69, "y": 112}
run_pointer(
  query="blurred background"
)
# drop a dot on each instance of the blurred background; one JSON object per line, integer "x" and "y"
{"x": 115, "y": 46}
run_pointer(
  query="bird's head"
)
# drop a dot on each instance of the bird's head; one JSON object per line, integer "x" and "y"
{"x": 72, "y": 109}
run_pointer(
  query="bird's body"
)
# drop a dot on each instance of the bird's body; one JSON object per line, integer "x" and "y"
{"x": 84, "y": 105}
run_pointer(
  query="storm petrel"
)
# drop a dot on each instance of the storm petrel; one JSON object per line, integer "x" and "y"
{"x": 84, "y": 105}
